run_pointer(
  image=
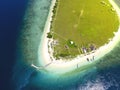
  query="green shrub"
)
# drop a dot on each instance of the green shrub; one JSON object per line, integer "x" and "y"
{"x": 49, "y": 35}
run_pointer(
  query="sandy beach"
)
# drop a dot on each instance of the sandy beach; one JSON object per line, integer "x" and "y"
{"x": 61, "y": 66}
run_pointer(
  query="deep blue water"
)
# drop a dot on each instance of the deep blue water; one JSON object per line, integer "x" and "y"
{"x": 11, "y": 14}
{"x": 17, "y": 74}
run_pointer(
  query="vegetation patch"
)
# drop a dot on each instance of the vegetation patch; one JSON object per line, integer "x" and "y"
{"x": 49, "y": 35}
{"x": 82, "y": 26}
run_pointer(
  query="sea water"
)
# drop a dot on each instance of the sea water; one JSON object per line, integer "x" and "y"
{"x": 103, "y": 75}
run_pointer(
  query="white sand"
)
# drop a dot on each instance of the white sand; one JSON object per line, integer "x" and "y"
{"x": 62, "y": 66}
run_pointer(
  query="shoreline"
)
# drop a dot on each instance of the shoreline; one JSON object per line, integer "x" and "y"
{"x": 65, "y": 66}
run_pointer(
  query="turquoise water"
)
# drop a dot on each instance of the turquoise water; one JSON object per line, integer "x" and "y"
{"x": 98, "y": 76}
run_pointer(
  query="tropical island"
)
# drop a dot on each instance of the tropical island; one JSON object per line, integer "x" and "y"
{"x": 80, "y": 27}
{"x": 108, "y": 31}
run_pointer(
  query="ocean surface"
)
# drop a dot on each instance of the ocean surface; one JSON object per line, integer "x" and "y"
{"x": 11, "y": 17}
{"x": 24, "y": 24}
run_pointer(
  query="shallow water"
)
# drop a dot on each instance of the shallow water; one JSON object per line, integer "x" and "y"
{"x": 103, "y": 75}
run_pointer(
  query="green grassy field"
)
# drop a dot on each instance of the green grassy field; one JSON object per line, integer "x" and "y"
{"x": 79, "y": 24}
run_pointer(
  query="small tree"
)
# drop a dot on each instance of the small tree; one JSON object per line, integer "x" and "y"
{"x": 49, "y": 35}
